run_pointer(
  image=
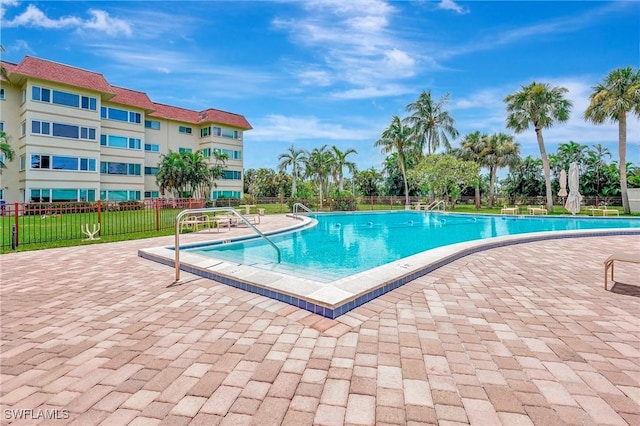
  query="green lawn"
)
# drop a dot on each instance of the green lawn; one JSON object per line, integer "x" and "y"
{"x": 40, "y": 232}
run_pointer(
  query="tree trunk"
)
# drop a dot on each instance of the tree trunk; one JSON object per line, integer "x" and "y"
{"x": 492, "y": 183}
{"x": 622, "y": 152}
{"x": 294, "y": 188}
{"x": 406, "y": 184}
{"x": 547, "y": 170}
{"x": 478, "y": 193}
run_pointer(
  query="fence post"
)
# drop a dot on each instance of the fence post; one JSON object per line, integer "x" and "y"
{"x": 157, "y": 202}
{"x": 16, "y": 223}
{"x": 99, "y": 219}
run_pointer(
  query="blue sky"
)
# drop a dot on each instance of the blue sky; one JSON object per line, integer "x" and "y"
{"x": 335, "y": 72}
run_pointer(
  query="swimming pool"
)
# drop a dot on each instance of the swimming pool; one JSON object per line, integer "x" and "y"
{"x": 378, "y": 252}
{"x": 343, "y": 244}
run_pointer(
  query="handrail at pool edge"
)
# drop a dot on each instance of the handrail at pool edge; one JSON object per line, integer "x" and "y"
{"x": 208, "y": 210}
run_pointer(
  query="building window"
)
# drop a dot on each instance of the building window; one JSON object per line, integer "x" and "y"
{"x": 1, "y": 126}
{"x": 58, "y": 97}
{"x": 232, "y": 174}
{"x": 225, "y": 194}
{"x": 205, "y": 131}
{"x": 181, "y": 150}
{"x": 186, "y": 130}
{"x": 2, "y": 93}
{"x": 23, "y": 161}
{"x": 113, "y": 141}
{"x": 119, "y": 195}
{"x": 113, "y": 168}
{"x": 58, "y": 195}
{"x": 58, "y": 162}
{"x": 151, "y": 147}
{"x": 150, "y": 170}
{"x": 152, "y": 124}
{"x": 231, "y": 154}
{"x": 151, "y": 194}
{"x": 120, "y": 115}
{"x": 62, "y": 130}
{"x": 23, "y": 128}
{"x": 206, "y": 152}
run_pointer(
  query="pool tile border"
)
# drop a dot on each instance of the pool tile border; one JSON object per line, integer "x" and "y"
{"x": 312, "y": 304}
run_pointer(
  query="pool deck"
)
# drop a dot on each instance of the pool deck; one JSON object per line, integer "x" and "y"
{"x": 517, "y": 335}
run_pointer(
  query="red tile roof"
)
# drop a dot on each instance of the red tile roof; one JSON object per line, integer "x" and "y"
{"x": 53, "y": 71}
{"x": 65, "y": 74}
{"x": 224, "y": 117}
{"x": 174, "y": 113}
{"x": 207, "y": 116}
{"x": 131, "y": 98}
{"x": 9, "y": 66}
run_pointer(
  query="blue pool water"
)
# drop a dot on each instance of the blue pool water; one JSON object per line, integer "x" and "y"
{"x": 343, "y": 244}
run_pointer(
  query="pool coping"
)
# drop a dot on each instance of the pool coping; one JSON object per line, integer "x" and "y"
{"x": 342, "y": 295}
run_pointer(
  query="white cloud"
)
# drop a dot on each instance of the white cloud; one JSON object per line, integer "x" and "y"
{"x": 4, "y": 4}
{"x": 290, "y": 129}
{"x": 352, "y": 42}
{"x": 99, "y": 21}
{"x": 452, "y": 5}
{"x": 370, "y": 92}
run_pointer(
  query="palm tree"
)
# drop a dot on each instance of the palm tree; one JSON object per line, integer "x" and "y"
{"x": 430, "y": 123}
{"x": 596, "y": 162}
{"x": 541, "y": 105}
{"x": 188, "y": 174}
{"x": 339, "y": 163}
{"x": 472, "y": 147}
{"x": 295, "y": 159}
{"x": 5, "y": 150}
{"x": 500, "y": 151}
{"x": 397, "y": 138}
{"x": 318, "y": 166}
{"x": 611, "y": 100}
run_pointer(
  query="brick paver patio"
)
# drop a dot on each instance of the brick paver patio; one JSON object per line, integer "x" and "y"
{"x": 518, "y": 335}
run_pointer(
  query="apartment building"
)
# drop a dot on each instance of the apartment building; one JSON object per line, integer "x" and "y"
{"x": 76, "y": 137}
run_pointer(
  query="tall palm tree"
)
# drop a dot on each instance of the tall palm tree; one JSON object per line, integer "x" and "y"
{"x": 611, "y": 100}
{"x": 540, "y": 105}
{"x": 471, "y": 149}
{"x": 499, "y": 151}
{"x": 596, "y": 162}
{"x": 340, "y": 162}
{"x": 431, "y": 124}
{"x": 318, "y": 167}
{"x": 397, "y": 138}
{"x": 295, "y": 159}
{"x": 5, "y": 150}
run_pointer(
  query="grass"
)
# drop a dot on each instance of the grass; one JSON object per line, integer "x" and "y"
{"x": 64, "y": 230}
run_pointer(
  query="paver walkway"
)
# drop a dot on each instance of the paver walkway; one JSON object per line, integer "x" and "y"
{"x": 518, "y": 335}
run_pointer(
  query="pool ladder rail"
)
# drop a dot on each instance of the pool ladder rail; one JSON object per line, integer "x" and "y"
{"x": 209, "y": 210}
{"x": 437, "y": 203}
{"x": 302, "y": 206}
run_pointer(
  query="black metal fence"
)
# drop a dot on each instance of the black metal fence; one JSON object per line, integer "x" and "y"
{"x": 41, "y": 223}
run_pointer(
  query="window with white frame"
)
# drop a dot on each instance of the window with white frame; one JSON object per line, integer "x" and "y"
{"x": 59, "y": 97}
{"x": 113, "y": 141}
{"x": 61, "y": 130}
{"x": 152, "y": 124}
{"x": 60, "y": 162}
{"x": 115, "y": 168}
{"x": 117, "y": 114}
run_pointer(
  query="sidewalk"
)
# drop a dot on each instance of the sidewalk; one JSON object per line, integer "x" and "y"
{"x": 522, "y": 334}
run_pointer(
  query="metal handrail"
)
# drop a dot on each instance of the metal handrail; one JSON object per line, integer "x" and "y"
{"x": 295, "y": 208}
{"x": 208, "y": 210}
{"x": 436, "y": 204}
